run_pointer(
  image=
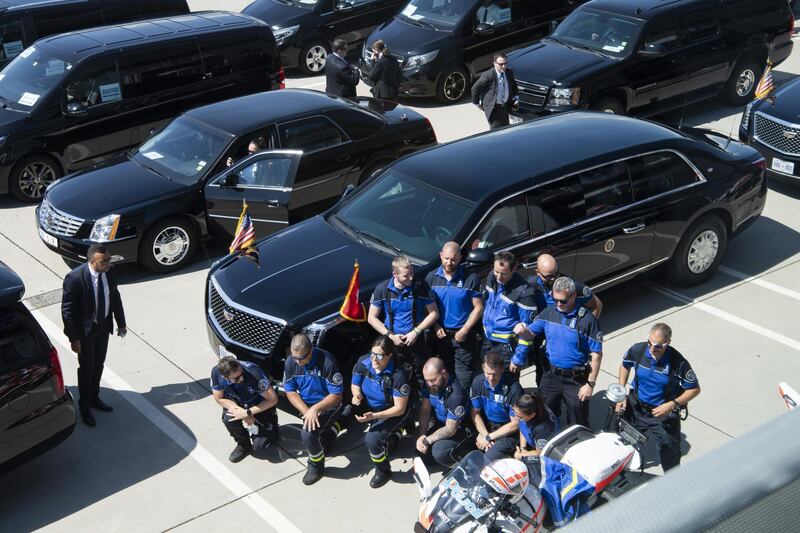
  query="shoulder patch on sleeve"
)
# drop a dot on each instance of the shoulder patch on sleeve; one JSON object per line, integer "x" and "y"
{"x": 587, "y": 291}
{"x": 690, "y": 376}
{"x": 460, "y": 411}
{"x": 541, "y": 443}
{"x": 337, "y": 379}
{"x": 599, "y": 336}
{"x": 405, "y": 390}
{"x": 263, "y": 384}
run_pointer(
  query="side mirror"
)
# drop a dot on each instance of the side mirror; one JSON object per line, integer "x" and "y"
{"x": 231, "y": 180}
{"x": 76, "y": 109}
{"x": 152, "y": 132}
{"x": 344, "y": 6}
{"x": 484, "y": 29}
{"x": 653, "y": 50}
{"x": 479, "y": 257}
{"x": 347, "y": 190}
{"x": 553, "y": 25}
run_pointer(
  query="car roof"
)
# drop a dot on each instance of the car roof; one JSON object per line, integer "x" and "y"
{"x": 488, "y": 163}
{"x": 11, "y": 286}
{"x": 11, "y": 5}
{"x": 641, "y": 9}
{"x": 87, "y": 42}
{"x": 242, "y": 114}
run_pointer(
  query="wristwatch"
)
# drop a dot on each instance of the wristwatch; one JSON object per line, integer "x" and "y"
{"x": 488, "y": 437}
{"x": 591, "y": 383}
{"x": 426, "y": 442}
{"x": 249, "y": 413}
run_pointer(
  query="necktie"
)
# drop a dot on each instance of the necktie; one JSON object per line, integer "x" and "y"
{"x": 501, "y": 89}
{"x": 100, "y": 315}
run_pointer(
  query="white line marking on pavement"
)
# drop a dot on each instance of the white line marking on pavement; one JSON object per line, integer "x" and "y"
{"x": 742, "y": 323}
{"x": 760, "y": 282}
{"x": 203, "y": 457}
{"x": 320, "y": 84}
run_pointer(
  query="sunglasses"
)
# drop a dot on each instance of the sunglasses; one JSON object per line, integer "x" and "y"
{"x": 657, "y": 346}
{"x": 500, "y": 64}
{"x": 377, "y": 356}
{"x": 564, "y": 301}
{"x": 554, "y": 275}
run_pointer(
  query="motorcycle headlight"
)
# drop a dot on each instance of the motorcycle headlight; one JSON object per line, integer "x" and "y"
{"x": 105, "y": 229}
{"x": 565, "y": 96}
{"x": 746, "y": 115}
{"x": 282, "y": 34}
{"x": 419, "y": 60}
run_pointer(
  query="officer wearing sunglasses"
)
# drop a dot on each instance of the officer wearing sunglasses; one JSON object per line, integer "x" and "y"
{"x": 663, "y": 384}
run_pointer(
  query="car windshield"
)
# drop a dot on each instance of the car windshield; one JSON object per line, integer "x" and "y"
{"x": 30, "y": 77}
{"x": 441, "y": 14}
{"x": 606, "y": 33}
{"x": 183, "y": 151}
{"x": 405, "y": 214}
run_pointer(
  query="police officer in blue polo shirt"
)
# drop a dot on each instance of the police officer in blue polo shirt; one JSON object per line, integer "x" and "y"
{"x": 537, "y": 425}
{"x": 663, "y": 384}
{"x": 510, "y": 302}
{"x": 458, "y": 297}
{"x": 493, "y": 396}
{"x": 313, "y": 385}
{"x": 445, "y": 401}
{"x": 574, "y": 352}
{"x": 407, "y": 308}
{"x": 248, "y": 405}
{"x": 380, "y": 388}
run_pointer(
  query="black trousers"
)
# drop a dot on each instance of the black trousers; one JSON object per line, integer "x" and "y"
{"x": 415, "y": 356}
{"x": 498, "y": 117}
{"x": 447, "y": 452}
{"x": 539, "y": 359}
{"x": 462, "y": 357}
{"x": 666, "y": 432}
{"x": 377, "y": 436}
{"x": 502, "y": 447}
{"x": 91, "y": 359}
{"x": 556, "y": 388}
{"x": 316, "y": 441}
{"x": 267, "y": 423}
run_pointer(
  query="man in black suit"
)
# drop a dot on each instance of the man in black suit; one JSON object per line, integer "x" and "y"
{"x": 90, "y": 299}
{"x": 496, "y": 92}
{"x": 341, "y": 77}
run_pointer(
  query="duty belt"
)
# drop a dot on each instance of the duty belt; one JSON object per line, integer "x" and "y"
{"x": 570, "y": 372}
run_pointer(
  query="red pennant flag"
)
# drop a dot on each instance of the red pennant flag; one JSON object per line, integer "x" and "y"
{"x": 351, "y": 308}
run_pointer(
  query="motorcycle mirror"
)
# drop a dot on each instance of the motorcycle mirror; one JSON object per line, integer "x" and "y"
{"x": 615, "y": 393}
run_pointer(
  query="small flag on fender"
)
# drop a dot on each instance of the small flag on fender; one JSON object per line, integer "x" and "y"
{"x": 765, "y": 85}
{"x": 351, "y": 308}
{"x": 245, "y": 235}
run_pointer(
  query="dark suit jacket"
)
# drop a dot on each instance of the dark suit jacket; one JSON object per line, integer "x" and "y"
{"x": 340, "y": 76}
{"x": 484, "y": 92}
{"x": 386, "y": 77}
{"x": 78, "y": 303}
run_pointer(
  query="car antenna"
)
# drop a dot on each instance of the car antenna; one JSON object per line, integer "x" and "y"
{"x": 730, "y": 133}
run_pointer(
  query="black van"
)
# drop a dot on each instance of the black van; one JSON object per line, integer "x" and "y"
{"x": 24, "y": 21}
{"x": 442, "y": 45}
{"x": 75, "y": 99}
{"x": 305, "y": 29}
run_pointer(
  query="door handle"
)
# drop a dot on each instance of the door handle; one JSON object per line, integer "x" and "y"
{"x": 343, "y": 158}
{"x": 634, "y": 229}
{"x": 273, "y": 203}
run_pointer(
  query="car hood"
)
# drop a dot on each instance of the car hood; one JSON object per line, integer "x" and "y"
{"x": 548, "y": 62}
{"x": 112, "y": 187}
{"x": 10, "y": 120}
{"x": 303, "y": 273}
{"x": 787, "y": 103}
{"x": 407, "y": 39}
{"x": 276, "y": 13}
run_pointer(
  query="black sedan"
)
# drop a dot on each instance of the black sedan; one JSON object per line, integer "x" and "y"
{"x": 772, "y": 127}
{"x": 189, "y": 181}
{"x": 608, "y": 206}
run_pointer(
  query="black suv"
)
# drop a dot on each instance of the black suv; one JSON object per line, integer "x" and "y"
{"x": 36, "y": 410}
{"x": 651, "y": 56}
{"x": 609, "y": 207}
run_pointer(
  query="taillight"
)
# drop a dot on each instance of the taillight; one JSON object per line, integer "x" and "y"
{"x": 282, "y": 78}
{"x": 791, "y": 22}
{"x": 760, "y": 163}
{"x": 433, "y": 132}
{"x": 55, "y": 366}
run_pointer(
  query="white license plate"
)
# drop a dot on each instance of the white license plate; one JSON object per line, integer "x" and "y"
{"x": 514, "y": 119}
{"x": 787, "y": 167}
{"x": 223, "y": 352}
{"x": 49, "y": 239}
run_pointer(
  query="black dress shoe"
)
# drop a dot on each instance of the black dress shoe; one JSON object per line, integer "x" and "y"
{"x": 100, "y": 405}
{"x": 239, "y": 453}
{"x": 88, "y": 418}
{"x": 380, "y": 478}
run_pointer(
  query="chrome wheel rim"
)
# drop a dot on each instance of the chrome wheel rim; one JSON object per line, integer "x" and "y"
{"x": 171, "y": 246}
{"x": 745, "y": 83}
{"x": 315, "y": 58}
{"x": 454, "y": 85}
{"x": 703, "y": 251}
{"x": 35, "y": 177}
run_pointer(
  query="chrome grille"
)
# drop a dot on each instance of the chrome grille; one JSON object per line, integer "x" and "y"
{"x": 59, "y": 223}
{"x": 532, "y": 94}
{"x": 778, "y": 135}
{"x": 241, "y": 327}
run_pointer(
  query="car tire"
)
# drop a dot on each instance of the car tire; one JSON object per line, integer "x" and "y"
{"x": 168, "y": 245}
{"x": 699, "y": 251}
{"x": 30, "y": 177}
{"x": 453, "y": 85}
{"x": 608, "y": 104}
{"x": 741, "y": 86}
{"x": 312, "y": 58}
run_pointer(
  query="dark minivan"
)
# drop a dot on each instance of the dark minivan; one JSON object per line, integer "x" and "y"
{"x": 75, "y": 99}
{"x": 653, "y": 55}
{"x": 24, "y": 21}
{"x": 443, "y": 45}
{"x": 36, "y": 410}
{"x": 305, "y": 29}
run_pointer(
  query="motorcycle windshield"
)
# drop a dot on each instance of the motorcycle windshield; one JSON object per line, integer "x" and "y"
{"x": 464, "y": 495}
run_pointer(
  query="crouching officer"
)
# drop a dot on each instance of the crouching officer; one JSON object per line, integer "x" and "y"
{"x": 248, "y": 405}
{"x": 313, "y": 385}
{"x": 510, "y": 302}
{"x": 380, "y": 391}
{"x": 493, "y": 396}
{"x": 444, "y": 397}
{"x": 574, "y": 351}
{"x": 663, "y": 384}
{"x": 537, "y": 425}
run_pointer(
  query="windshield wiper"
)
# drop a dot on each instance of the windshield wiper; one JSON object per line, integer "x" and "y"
{"x": 429, "y": 25}
{"x": 378, "y": 240}
{"x": 411, "y": 21}
{"x": 561, "y": 41}
{"x": 6, "y": 103}
{"x": 154, "y": 171}
{"x": 350, "y": 229}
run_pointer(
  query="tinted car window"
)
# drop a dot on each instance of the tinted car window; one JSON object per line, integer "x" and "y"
{"x": 95, "y": 85}
{"x": 494, "y": 13}
{"x": 267, "y": 173}
{"x": 550, "y": 205}
{"x": 356, "y": 123}
{"x": 663, "y": 31}
{"x": 309, "y": 134}
{"x": 598, "y": 30}
{"x": 507, "y": 223}
{"x": 11, "y": 39}
{"x": 657, "y": 173}
{"x": 30, "y": 77}
{"x": 226, "y": 55}
{"x": 19, "y": 342}
{"x": 605, "y": 188}
{"x": 702, "y": 24}
{"x": 150, "y": 71}
{"x": 444, "y": 14}
{"x": 65, "y": 19}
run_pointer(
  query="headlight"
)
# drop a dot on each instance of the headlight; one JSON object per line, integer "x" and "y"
{"x": 282, "y": 34}
{"x": 317, "y": 330}
{"x": 366, "y": 52}
{"x": 746, "y": 115}
{"x": 3, "y": 140}
{"x": 418, "y": 61}
{"x": 105, "y": 229}
{"x": 561, "y": 96}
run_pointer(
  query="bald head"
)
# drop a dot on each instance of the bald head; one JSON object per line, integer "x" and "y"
{"x": 301, "y": 344}
{"x": 450, "y": 256}
{"x": 435, "y": 374}
{"x": 546, "y": 264}
{"x": 433, "y": 365}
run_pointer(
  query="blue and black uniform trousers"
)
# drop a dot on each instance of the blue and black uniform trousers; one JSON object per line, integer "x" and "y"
{"x": 318, "y": 440}
{"x": 502, "y": 447}
{"x": 461, "y": 357}
{"x": 379, "y": 434}
{"x": 266, "y": 422}
{"x": 563, "y": 384}
{"x": 447, "y": 452}
{"x": 664, "y": 431}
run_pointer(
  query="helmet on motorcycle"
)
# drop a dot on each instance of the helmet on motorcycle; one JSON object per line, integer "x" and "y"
{"x": 506, "y": 476}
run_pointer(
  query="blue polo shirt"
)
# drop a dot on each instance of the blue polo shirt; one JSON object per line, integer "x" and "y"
{"x": 571, "y": 337}
{"x": 453, "y": 297}
{"x": 659, "y": 381}
{"x": 495, "y": 403}
{"x": 450, "y": 403}
{"x": 246, "y": 394}
{"x": 544, "y": 296}
{"x": 538, "y": 432}
{"x": 379, "y": 389}
{"x": 319, "y": 378}
{"x": 402, "y": 300}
